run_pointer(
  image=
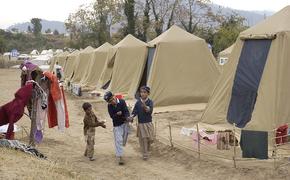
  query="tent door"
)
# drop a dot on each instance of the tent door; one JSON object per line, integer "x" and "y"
{"x": 146, "y": 71}
{"x": 246, "y": 82}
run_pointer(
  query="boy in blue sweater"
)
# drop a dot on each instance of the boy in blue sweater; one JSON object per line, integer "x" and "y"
{"x": 145, "y": 130}
{"x": 119, "y": 113}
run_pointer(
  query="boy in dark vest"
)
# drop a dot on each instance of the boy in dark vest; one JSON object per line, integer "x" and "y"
{"x": 145, "y": 130}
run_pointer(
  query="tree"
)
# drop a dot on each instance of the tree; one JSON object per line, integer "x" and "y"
{"x": 36, "y": 23}
{"x": 161, "y": 10}
{"x": 91, "y": 25}
{"x": 129, "y": 10}
{"x": 2, "y": 44}
{"x": 55, "y": 32}
{"x": 48, "y": 31}
{"x": 15, "y": 30}
{"x": 228, "y": 32}
{"x": 194, "y": 15}
{"x": 29, "y": 30}
{"x": 143, "y": 21}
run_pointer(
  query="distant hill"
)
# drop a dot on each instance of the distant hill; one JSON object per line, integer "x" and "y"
{"x": 59, "y": 26}
{"x": 252, "y": 17}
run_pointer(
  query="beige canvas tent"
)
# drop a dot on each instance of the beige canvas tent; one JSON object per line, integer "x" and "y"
{"x": 254, "y": 89}
{"x": 61, "y": 59}
{"x": 96, "y": 66}
{"x": 223, "y": 56}
{"x": 52, "y": 62}
{"x": 106, "y": 74}
{"x": 70, "y": 64}
{"x": 183, "y": 70}
{"x": 129, "y": 62}
{"x": 82, "y": 64}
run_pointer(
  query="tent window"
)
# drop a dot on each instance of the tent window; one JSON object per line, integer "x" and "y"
{"x": 246, "y": 82}
{"x": 146, "y": 71}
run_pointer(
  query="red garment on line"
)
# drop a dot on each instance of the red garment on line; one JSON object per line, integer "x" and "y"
{"x": 54, "y": 95}
{"x": 281, "y": 133}
{"x": 14, "y": 110}
{"x": 54, "y": 86}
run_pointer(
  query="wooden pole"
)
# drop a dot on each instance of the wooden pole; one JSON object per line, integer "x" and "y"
{"x": 170, "y": 134}
{"x": 275, "y": 149}
{"x": 234, "y": 157}
{"x": 198, "y": 141}
{"x": 155, "y": 129}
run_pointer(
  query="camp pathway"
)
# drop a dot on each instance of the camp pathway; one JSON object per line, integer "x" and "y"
{"x": 66, "y": 149}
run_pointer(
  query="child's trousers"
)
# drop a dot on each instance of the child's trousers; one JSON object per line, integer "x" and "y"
{"x": 90, "y": 146}
{"x": 144, "y": 145}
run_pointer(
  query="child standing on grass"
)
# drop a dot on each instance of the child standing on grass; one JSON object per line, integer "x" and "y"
{"x": 90, "y": 124}
{"x": 145, "y": 130}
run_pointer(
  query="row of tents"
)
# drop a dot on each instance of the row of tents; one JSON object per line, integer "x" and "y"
{"x": 253, "y": 90}
{"x": 178, "y": 66}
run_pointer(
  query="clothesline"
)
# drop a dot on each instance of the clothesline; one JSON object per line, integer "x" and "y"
{"x": 36, "y": 83}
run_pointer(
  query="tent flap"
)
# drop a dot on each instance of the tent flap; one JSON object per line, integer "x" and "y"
{"x": 247, "y": 79}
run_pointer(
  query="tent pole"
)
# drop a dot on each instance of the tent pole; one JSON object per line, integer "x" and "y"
{"x": 170, "y": 134}
{"x": 198, "y": 140}
{"x": 234, "y": 157}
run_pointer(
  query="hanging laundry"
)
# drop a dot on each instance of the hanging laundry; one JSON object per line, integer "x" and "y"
{"x": 39, "y": 110}
{"x": 281, "y": 134}
{"x": 206, "y": 137}
{"x": 223, "y": 140}
{"x": 65, "y": 107}
{"x": 11, "y": 112}
{"x": 254, "y": 144}
{"x": 56, "y": 107}
{"x": 187, "y": 131}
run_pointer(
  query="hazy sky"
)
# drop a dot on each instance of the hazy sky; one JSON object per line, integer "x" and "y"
{"x": 13, "y": 11}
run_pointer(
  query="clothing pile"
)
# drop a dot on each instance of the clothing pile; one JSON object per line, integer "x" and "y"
{"x": 17, "y": 145}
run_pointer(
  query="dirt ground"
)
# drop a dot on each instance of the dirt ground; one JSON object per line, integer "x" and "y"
{"x": 66, "y": 160}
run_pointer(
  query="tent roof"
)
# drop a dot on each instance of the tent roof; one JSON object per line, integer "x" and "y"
{"x": 130, "y": 41}
{"x": 278, "y": 22}
{"x": 34, "y": 52}
{"x": 88, "y": 49}
{"x": 103, "y": 47}
{"x": 63, "y": 54}
{"x": 75, "y": 53}
{"x": 174, "y": 34}
{"x": 227, "y": 51}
